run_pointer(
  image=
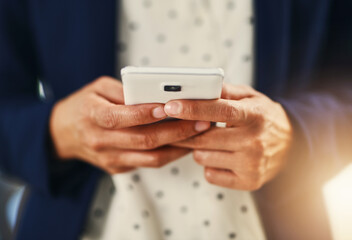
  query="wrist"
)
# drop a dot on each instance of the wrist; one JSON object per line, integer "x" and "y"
{"x": 57, "y": 133}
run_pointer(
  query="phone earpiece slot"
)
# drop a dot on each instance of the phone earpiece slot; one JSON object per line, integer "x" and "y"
{"x": 172, "y": 88}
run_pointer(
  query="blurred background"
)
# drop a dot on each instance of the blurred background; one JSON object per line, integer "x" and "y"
{"x": 12, "y": 194}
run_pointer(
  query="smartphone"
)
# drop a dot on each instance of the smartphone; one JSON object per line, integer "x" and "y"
{"x": 162, "y": 84}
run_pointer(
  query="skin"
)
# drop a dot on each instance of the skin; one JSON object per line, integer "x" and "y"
{"x": 94, "y": 125}
{"x": 250, "y": 150}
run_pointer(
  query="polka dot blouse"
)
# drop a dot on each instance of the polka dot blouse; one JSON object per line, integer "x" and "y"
{"x": 175, "y": 202}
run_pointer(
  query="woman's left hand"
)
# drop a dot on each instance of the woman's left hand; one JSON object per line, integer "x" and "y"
{"x": 250, "y": 150}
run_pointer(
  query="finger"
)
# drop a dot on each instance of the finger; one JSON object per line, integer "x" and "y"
{"x": 119, "y": 170}
{"x": 149, "y": 136}
{"x": 229, "y": 179}
{"x": 242, "y": 163}
{"x": 230, "y": 111}
{"x": 238, "y": 92}
{"x": 110, "y": 89}
{"x": 103, "y": 160}
{"x": 220, "y": 177}
{"x": 218, "y": 159}
{"x": 152, "y": 158}
{"x": 226, "y": 139}
{"x": 111, "y": 116}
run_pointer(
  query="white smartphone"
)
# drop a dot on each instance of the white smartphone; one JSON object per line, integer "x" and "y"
{"x": 162, "y": 84}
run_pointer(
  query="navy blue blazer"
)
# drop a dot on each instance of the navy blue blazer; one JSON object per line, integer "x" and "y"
{"x": 303, "y": 60}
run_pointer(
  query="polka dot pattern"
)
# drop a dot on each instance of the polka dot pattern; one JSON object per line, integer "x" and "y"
{"x": 195, "y": 184}
{"x": 98, "y": 213}
{"x": 133, "y": 26}
{"x": 246, "y": 58}
{"x": 136, "y": 226}
{"x": 147, "y": 3}
{"x": 145, "y": 61}
{"x": 167, "y": 232}
{"x": 130, "y": 186}
{"x": 136, "y": 178}
{"x": 184, "y": 49}
{"x": 175, "y": 171}
{"x": 161, "y": 38}
{"x": 230, "y": 5}
{"x": 228, "y": 43}
{"x": 175, "y": 201}
{"x": 112, "y": 190}
{"x": 198, "y": 21}
{"x": 121, "y": 47}
{"x": 206, "y": 57}
{"x": 232, "y": 235}
{"x": 220, "y": 196}
{"x": 244, "y": 209}
{"x": 172, "y": 14}
{"x": 184, "y": 209}
{"x": 159, "y": 194}
{"x": 145, "y": 214}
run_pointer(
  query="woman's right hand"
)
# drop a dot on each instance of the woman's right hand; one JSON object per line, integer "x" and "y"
{"x": 95, "y": 126}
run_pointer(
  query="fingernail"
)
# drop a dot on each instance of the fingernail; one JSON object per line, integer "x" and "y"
{"x": 173, "y": 108}
{"x": 207, "y": 173}
{"x": 159, "y": 112}
{"x": 202, "y": 126}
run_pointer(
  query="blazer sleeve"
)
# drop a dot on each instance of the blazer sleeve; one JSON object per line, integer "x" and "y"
{"x": 321, "y": 115}
{"x": 25, "y": 145}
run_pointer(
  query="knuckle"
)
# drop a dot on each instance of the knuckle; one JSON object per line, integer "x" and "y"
{"x": 192, "y": 110}
{"x": 109, "y": 119}
{"x": 96, "y": 84}
{"x": 102, "y": 79}
{"x": 94, "y": 143}
{"x": 258, "y": 113}
{"x": 156, "y": 160}
{"x": 255, "y": 183}
{"x": 231, "y": 112}
{"x": 254, "y": 166}
{"x": 183, "y": 131}
{"x": 244, "y": 87}
{"x": 254, "y": 146}
{"x": 258, "y": 149}
{"x": 149, "y": 141}
{"x": 256, "y": 163}
{"x": 108, "y": 161}
{"x": 255, "y": 186}
{"x": 89, "y": 108}
{"x": 138, "y": 140}
{"x": 247, "y": 88}
{"x": 146, "y": 141}
{"x": 104, "y": 162}
{"x": 250, "y": 90}
{"x": 199, "y": 158}
{"x": 138, "y": 114}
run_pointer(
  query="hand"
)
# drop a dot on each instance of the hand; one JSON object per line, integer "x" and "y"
{"x": 93, "y": 125}
{"x": 251, "y": 150}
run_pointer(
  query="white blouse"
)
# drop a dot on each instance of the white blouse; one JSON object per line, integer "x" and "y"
{"x": 176, "y": 202}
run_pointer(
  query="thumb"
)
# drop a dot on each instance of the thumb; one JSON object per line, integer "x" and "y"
{"x": 109, "y": 88}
